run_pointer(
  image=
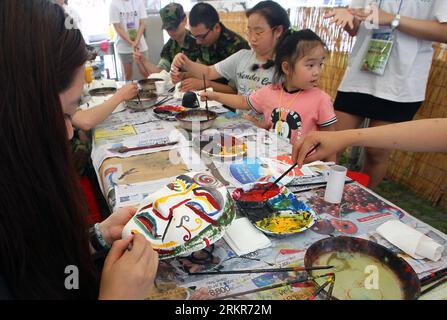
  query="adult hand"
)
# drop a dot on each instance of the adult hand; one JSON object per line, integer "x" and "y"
{"x": 135, "y": 46}
{"x": 341, "y": 17}
{"x": 330, "y": 143}
{"x": 373, "y": 14}
{"x": 112, "y": 227}
{"x": 127, "y": 92}
{"x": 176, "y": 75}
{"x": 191, "y": 84}
{"x": 129, "y": 274}
{"x": 137, "y": 56}
{"x": 180, "y": 60}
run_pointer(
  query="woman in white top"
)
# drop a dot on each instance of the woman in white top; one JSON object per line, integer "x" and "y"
{"x": 248, "y": 70}
{"x": 127, "y": 17}
{"x": 391, "y": 92}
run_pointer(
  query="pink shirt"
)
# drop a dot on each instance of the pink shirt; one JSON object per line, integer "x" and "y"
{"x": 299, "y": 114}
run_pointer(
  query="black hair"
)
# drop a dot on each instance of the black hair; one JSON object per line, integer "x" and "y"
{"x": 203, "y": 13}
{"x": 43, "y": 225}
{"x": 276, "y": 16}
{"x": 272, "y": 12}
{"x": 292, "y": 46}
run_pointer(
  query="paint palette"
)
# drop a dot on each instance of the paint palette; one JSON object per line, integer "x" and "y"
{"x": 276, "y": 212}
{"x": 168, "y": 112}
{"x": 223, "y": 146}
{"x": 189, "y": 214}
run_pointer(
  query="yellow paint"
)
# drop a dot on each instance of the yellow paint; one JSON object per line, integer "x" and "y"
{"x": 199, "y": 222}
{"x": 284, "y": 224}
{"x": 178, "y": 194}
{"x": 166, "y": 245}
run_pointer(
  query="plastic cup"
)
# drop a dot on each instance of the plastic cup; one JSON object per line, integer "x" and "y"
{"x": 160, "y": 87}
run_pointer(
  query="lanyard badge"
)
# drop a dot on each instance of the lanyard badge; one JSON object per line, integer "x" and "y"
{"x": 379, "y": 49}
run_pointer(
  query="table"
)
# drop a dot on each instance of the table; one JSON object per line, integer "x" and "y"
{"x": 127, "y": 179}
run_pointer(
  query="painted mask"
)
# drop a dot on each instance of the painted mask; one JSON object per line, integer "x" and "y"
{"x": 187, "y": 215}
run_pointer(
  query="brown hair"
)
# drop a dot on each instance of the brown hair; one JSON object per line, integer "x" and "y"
{"x": 43, "y": 228}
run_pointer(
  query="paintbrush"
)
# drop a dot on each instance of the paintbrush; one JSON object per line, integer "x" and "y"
{"x": 331, "y": 289}
{"x": 436, "y": 285}
{"x": 206, "y": 99}
{"x": 139, "y": 99}
{"x": 435, "y": 276}
{"x": 166, "y": 230}
{"x": 291, "y": 168}
{"x": 296, "y": 269}
{"x": 279, "y": 285}
{"x": 321, "y": 288}
{"x": 125, "y": 149}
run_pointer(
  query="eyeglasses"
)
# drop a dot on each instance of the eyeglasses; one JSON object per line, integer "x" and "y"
{"x": 257, "y": 32}
{"x": 201, "y": 37}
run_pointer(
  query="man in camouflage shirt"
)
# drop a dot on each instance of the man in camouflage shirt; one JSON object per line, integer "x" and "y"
{"x": 216, "y": 43}
{"x": 174, "y": 22}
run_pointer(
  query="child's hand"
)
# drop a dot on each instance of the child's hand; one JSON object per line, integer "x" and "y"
{"x": 129, "y": 274}
{"x": 341, "y": 17}
{"x": 113, "y": 226}
{"x": 191, "y": 84}
{"x": 127, "y": 92}
{"x": 208, "y": 96}
{"x": 256, "y": 122}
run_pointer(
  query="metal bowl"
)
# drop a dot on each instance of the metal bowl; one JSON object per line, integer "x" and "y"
{"x": 101, "y": 92}
{"x": 148, "y": 84}
{"x": 196, "y": 119}
{"x": 147, "y": 100}
{"x": 404, "y": 275}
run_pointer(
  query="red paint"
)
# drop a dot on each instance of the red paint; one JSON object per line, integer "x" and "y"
{"x": 289, "y": 251}
{"x": 202, "y": 215}
{"x": 209, "y": 197}
{"x": 258, "y": 193}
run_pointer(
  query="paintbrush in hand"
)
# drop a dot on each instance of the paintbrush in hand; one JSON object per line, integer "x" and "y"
{"x": 206, "y": 99}
{"x": 291, "y": 168}
{"x": 290, "y": 269}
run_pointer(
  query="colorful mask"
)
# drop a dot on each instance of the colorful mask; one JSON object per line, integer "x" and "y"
{"x": 187, "y": 215}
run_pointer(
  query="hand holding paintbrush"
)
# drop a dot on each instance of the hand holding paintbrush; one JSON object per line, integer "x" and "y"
{"x": 291, "y": 168}
{"x": 206, "y": 99}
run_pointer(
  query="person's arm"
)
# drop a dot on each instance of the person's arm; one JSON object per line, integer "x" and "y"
{"x": 146, "y": 67}
{"x": 194, "y": 84}
{"x": 119, "y": 29}
{"x": 428, "y": 135}
{"x": 139, "y": 34}
{"x": 232, "y": 100}
{"x": 431, "y": 30}
{"x": 329, "y": 157}
{"x": 88, "y": 119}
{"x": 196, "y": 70}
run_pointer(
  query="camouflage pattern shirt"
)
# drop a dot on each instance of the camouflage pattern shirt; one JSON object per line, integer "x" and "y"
{"x": 228, "y": 43}
{"x": 190, "y": 48}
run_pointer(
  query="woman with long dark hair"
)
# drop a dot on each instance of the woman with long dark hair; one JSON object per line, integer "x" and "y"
{"x": 44, "y": 238}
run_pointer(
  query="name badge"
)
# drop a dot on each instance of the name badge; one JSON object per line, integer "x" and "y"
{"x": 379, "y": 51}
